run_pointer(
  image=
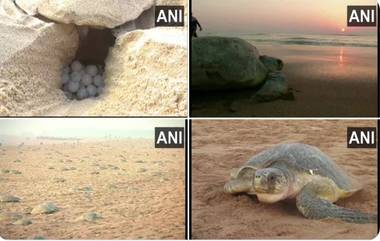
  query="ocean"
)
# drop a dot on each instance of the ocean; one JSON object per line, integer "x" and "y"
{"x": 305, "y": 39}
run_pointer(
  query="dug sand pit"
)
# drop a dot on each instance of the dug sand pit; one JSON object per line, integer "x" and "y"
{"x": 220, "y": 146}
{"x": 135, "y": 83}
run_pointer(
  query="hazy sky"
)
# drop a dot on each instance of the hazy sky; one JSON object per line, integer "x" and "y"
{"x": 277, "y": 16}
{"x": 84, "y": 127}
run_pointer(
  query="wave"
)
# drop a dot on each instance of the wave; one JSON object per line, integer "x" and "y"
{"x": 316, "y": 42}
{"x": 352, "y": 40}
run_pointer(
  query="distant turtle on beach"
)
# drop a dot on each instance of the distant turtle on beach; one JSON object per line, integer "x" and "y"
{"x": 298, "y": 171}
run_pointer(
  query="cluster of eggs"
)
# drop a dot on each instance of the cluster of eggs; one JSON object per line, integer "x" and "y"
{"x": 81, "y": 82}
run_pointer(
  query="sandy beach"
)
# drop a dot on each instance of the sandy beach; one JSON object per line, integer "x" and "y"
{"x": 131, "y": 59}
{"x": 327, "y": 81}
{"x": 220, "y": 146}
{"x": 138, "y": 191}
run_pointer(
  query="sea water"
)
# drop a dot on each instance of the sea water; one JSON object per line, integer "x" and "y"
{"x": 305, "y": 39}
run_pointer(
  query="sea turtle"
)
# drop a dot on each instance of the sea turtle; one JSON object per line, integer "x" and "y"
{"x": 225, "y": 63}
{"x": 8, "y": 199}
{"x": 89, "y": 217}
{"x": 299, "y": 171}
{"x": 44, "y": 208}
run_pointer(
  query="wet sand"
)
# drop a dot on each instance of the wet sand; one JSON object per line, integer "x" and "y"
{"x": 326, "y": 82}
{"x": 139, "y": 191}
{"x": 220, "y": 146}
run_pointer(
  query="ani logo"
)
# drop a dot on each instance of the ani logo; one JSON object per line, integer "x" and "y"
{"x": 167, "y": 137}
{"x": 361, "y": 16}
{"x": 361, "y": 137}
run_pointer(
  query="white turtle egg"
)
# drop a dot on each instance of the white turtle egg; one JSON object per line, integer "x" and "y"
{"x": 91, "y": 90}
{"x": 66, "y": 70}
{"x": 69, "y": 95}
{"x": 65, "y": 78}
{"x": 100, "y": 90}
{"x": 82, "y": 93}
{"x": 76, "y": 76}
{"x": 73, "y": 86}
{"x": 82, "y": 73}
{"x": 92, "y": 70}
{"x": 76, "y": 66}
{"x": 86, "y": 79}
{"x": 98, "y": 80}
{"x": 66, "y": 87}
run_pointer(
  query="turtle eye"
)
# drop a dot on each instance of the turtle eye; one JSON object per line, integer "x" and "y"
{"x": 272, "y": 178}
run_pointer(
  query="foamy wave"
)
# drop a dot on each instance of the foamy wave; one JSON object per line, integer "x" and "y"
{"x": 306, "y": 41}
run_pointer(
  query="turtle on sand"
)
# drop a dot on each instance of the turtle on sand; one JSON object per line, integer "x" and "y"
{"x": 224, "y": 63}
{"x": 44, "y": 208}
{"x": 298, "y": 171}
{"x": 8, "y": 199}
{"x": 89, "y": 217}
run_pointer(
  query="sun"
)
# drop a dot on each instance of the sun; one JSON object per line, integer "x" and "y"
{"x": 343, "y": 30}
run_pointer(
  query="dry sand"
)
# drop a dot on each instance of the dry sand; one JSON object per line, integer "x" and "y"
{"x": 219, "y": 146}
{"x": 326, "y": 82}
{"x": 139, "y": 191}
{"x": 140, "y": 76}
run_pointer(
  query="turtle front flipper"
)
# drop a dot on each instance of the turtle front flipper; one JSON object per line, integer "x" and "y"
{"x": 241, "y": 181}
{"x": 314, "y": 202}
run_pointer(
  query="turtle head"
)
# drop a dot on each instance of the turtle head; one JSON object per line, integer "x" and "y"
{"x": 241, "y": 180}
{"x": 271, "y": 185}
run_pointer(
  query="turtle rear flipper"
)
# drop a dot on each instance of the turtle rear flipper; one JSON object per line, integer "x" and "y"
{"x": 275, "y": 87}
{"x": 311, "y": 203}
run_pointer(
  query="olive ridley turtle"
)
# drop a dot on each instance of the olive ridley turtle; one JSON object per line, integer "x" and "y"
{"x": 302, "y": 172}
{"x": 224, "y": 63}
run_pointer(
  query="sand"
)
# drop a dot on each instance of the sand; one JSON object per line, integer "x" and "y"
{"x": 140, "y": 81}
{"x": 326, "y": 82}
{"x": 219, "y": 146}
{"x": 87, "y": 12}
{"x": 138, "y": 191}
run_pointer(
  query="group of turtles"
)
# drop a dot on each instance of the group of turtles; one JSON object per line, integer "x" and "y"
{"x": 43, "y": 208}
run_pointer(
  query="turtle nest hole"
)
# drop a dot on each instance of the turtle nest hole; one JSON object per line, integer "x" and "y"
{"x": 84, "y": 77}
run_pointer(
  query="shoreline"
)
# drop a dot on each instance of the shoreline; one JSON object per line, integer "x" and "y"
{"x": 326, "y": 81}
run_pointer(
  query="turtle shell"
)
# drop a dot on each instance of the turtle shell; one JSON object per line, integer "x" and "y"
{"x": 303, "y": 158}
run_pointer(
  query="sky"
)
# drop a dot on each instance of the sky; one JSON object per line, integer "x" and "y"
{"x": 85, "y": 127}
{"x": 277, "y": 16}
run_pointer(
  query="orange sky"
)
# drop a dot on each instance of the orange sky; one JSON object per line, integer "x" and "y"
{"x": 277, "y": 16}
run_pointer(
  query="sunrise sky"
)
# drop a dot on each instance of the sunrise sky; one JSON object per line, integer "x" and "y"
{"x": 277, "y": 16}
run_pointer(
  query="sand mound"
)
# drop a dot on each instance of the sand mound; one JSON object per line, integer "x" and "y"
{"x": 146, "y": 71}
{"x": 101, "y": 13}
{"x": 157, "y": 86}
{"x": 32, "y": 54}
